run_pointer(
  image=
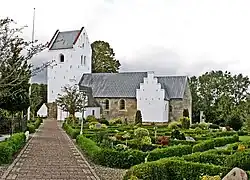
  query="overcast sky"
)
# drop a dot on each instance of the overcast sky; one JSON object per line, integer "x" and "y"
{"x": 184, "y": 37}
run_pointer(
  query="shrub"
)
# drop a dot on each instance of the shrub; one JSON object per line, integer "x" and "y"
{"x": 146, "y": 140}
{"x": 104, "y": 121}
{"x": 173, "y": 168}
{"x": 235, "y": 122}
{"x": 240, "y": 160}
{"x": 176, "y": 134}
{"x": 203, "y": 126}
{"x": 193, "y": 126}
{"x": 206, "y": 157}
{"x": 138, "y": 117}
{"x": 115, "y": 121}
{"x": 91, "y": 118}
{"x": 174, "y": 125}
{"x": 9, "y": 147}
{"x": 141, "y": 132}
{"x": 214, "y": 126}
{"x": 211, "y": 178}
{"x": 31, "y": 128}
{"x": 203, "y": 146}
{"x": 73, "y": 133}
{"x": 185, "y": 122}
{"x": 170, "y": 151}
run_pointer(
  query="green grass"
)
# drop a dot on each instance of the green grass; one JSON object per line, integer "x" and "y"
{"x": 244, "y": 138}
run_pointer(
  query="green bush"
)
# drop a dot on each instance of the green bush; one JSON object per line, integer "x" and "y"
{"x": 138, "y": 117}
{"x": 174, "y": 125}
{"x": 91, "y": 118}
{"x": 172, "y": 168}
{"x": 141, "y": 132}
{"x": 206, "y": 157}
{"x": 203, "y": 146}
{"x": 110, "y": 157}
{"x": 240, "y": 160}
{"x": 73, "y": 133}
{"x": 185, "y": 122}
{"x": 216, "y": 142}
{"x": 235, "y": 122}
{"x": 115, "y": 121}
{"x": 170, "y": 151}
{"x": 214, "y": 126}
{"x": 31, "y": 128}
{"x": 183, "y": 142}
{"x": 11, "y": 146}
{"x": 176, "y": 134}
{"x": 104, "y": 121}
{"x": 37, "y": 122}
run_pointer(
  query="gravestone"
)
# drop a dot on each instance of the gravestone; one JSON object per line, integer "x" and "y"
{"x": 236, "y": 174}
{"x": 202, "y": 119}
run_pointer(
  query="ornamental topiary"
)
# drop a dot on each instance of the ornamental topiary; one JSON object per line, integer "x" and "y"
{"x": 138, "y": 117}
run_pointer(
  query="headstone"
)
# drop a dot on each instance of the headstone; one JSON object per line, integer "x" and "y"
{"x": 236, "y": 174}
{"x": 188, "y": 138}
{"x": 202, "y": 119}
{"x": 98, "y": 125}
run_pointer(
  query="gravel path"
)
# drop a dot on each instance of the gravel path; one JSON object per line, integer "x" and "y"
{"x": 3, "y": 169}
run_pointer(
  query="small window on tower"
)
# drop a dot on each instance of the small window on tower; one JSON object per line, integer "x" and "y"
{"x": 70, "y": 66}
{"x": 81, "y": 59}
{"x": 82, "y": 45}
{"x": 84, "y": 62}
{"x": 61, "y": 58}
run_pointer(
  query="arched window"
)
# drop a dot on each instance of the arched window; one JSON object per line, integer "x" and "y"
{"x": 122, "y": 104}
{"x": 106, "y": 104}
{"x": 170, "y": 108}
{"x": 61, "y": 58}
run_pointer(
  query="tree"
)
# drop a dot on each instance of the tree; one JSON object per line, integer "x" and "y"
{"x": 72, "y": 100}
{"x": 220, "y": 95}
{"x": 138, "y": 117}
{"x": 15, "y": 70}
{"x": 103, "y": 58}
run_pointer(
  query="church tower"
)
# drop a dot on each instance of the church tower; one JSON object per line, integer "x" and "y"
{"x": 71, "y": 52}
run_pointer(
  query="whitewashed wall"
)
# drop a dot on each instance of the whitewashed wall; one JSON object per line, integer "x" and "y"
{"x": 43, "y": 111}
{"x": 70, "y": 71}
{"x": 96, "y": 111}
{"x": 150, "y": 100}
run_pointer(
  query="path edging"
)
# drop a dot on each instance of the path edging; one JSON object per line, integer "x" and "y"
{"x": 6, "y": 173}
{"x": 79, "y": 152}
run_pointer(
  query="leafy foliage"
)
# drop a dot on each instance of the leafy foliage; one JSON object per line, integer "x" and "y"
{"x": 71, "y": 100}
{"x": 219, "y": 94}
{"x": 138, "y": 117}
{"x": 235, "y": 122}
{"x": 103, "y": 58}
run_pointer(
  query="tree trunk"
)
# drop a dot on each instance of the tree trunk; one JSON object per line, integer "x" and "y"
{"x": 12, "y": 123}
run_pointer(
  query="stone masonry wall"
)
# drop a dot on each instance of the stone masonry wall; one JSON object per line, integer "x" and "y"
{"x": 178, "y": 105}
{"x": 115, "y": 112}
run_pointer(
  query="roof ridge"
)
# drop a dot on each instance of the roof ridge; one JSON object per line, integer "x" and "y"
{"x": 68, "y": 31}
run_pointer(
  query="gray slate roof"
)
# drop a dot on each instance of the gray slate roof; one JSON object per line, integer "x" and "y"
{"x": 117, "y": 85}
{"x": 65, "y": 40}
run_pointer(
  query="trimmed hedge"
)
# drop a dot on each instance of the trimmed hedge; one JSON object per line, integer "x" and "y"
{"x": 33, "y": 125}
{"x": 206, "y": 157}
{"x": 173, "y": 168}
{"x": 216, "y": 142}
{"x": 240, "y": 160}
{"x": 128, "y": 158}
{"x": 11, "y": 146}
{"x": 73, "y": 133}
{"x": 171, "y": 151}
{"x": 31, "y": 128}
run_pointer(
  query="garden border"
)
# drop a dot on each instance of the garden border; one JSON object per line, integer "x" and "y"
{"x": 8, "y": 170}
{"x": 77, "y": 148}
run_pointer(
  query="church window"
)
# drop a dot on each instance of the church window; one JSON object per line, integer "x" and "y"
{"x": 70, "y": 66}
{"x": 81, "y": 59}
{"x": 84, "y": 61}
{"x": 122, "y": 104}
{"x": 82, "y": 45}
{"x": 106, "y": 104}
{"x": 61, "y": 58}
{"x": 93, "y": 112}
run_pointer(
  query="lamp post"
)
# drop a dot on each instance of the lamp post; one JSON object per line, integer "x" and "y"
{"x": 84, "y": 103}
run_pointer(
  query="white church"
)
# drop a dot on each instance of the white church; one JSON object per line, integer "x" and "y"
{"x": 114, "y": 94}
